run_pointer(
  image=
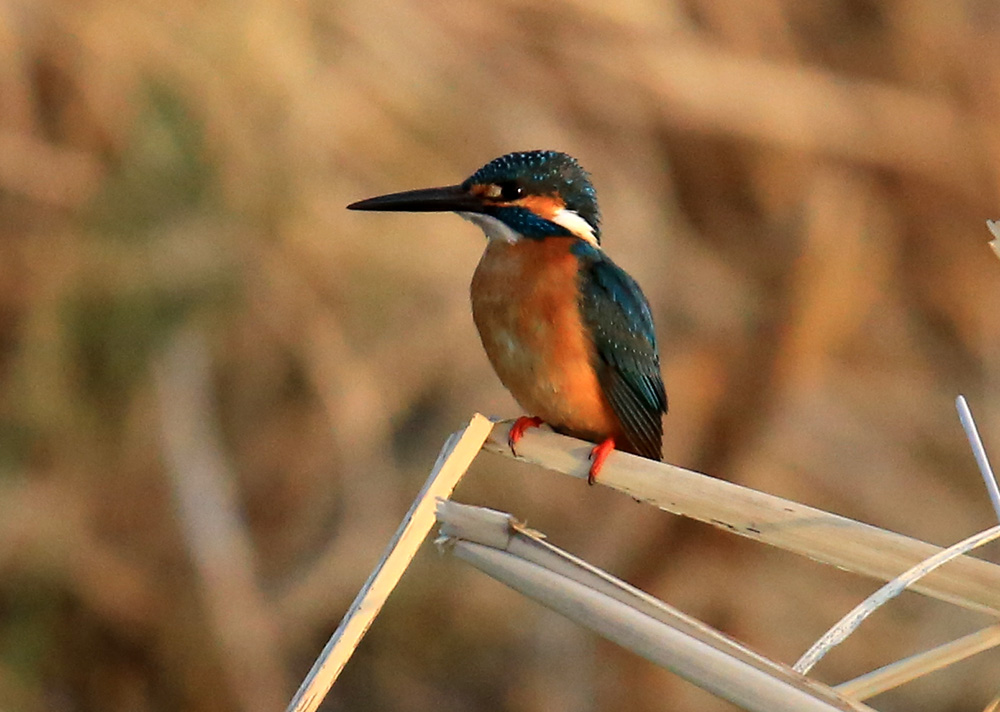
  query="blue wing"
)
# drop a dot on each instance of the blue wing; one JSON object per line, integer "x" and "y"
{"x": 616, "y": 313}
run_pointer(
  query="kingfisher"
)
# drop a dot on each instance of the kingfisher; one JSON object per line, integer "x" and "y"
{"x": 569, "y": 332}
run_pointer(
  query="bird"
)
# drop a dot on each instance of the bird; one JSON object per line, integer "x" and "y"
{"x": 569, "y": 333}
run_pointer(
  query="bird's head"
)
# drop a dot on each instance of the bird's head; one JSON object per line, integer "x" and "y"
{"x": 534, "y": 195}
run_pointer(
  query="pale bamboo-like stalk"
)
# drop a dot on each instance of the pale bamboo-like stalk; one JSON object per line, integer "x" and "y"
{"x": 994, "y": 705}
{"x": 994, "y": 228}
{"x": 457, "y": 454}
{"x": 829, "y": 538}
{"x": 979, "y": 452}
{"x": 839, "y": 541}
{"x": 849, "y": 623}
{"x": 495, "y": 543}
{"x": 902, "y": 671}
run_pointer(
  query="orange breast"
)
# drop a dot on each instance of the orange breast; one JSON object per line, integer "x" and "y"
{"x": 524, "y": 303}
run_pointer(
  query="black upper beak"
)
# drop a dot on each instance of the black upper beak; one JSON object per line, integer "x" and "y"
{"x": 452, "y": 198}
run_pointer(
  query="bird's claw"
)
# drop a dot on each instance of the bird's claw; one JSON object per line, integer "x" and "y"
{"x": 598, "y": 454}
{"x": 517, "y": 430}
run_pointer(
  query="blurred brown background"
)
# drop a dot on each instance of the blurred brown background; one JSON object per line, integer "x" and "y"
{"x": 221, "y": 390}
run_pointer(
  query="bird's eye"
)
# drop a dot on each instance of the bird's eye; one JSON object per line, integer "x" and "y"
{"x": 509, "y": 190}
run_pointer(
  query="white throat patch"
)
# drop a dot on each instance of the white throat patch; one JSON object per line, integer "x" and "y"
{"x": 494, "y": 229}
{"x": 497, "y": 229}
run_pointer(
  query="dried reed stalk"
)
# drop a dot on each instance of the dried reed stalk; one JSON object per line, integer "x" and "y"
{"x": 828, "y": 538}
{"x": 495, "y": 543}
{"x": 889, "y": 676}
{"x": 457, "y": 454}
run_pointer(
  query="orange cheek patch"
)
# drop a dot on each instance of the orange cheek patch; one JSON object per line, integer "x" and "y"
{"x": 545, "y": 206}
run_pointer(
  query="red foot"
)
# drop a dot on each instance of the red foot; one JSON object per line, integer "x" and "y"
{"x": 518, "y": 428}
{"x": 597, "y": 456}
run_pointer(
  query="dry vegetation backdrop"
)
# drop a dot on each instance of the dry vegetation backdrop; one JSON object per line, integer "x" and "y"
{"x": 220, "y": 390}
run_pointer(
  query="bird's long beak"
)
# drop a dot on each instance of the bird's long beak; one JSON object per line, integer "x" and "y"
{"x": 426, "y": 200}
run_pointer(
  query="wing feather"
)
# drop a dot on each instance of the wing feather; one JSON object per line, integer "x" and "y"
{"x": 618, "y": 317}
